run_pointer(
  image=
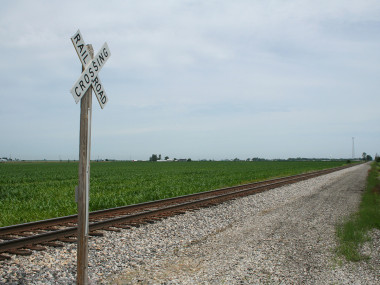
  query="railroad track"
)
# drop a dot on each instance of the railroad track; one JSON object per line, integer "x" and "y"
{"x": 22, "y": 239}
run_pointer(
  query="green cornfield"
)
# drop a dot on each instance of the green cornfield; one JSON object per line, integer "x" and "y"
{"x": 31, "y": 191}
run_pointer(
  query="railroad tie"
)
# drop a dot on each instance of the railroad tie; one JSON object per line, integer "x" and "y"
{"x": 35, "y": 247}
{"x": 66, "y": 239}
{"x": 112, "y": 229}
{"x": 125, "y": 227}
{"x": 7, "y": 238}
{"x": 5, "y": 257}
{"x": 53, "y": 244}
{"x": 96, "y": 234}
{"x": 23, "y": 252}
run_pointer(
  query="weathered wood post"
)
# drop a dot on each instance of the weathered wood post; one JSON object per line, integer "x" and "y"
{"x": 84, "y": 182}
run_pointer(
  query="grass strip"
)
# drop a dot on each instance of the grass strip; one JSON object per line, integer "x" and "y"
{"x": 354, "y": 232}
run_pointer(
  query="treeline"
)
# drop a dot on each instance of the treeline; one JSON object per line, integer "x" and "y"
{"x": 365, "y": 157}
{"x": 156, "y": 157}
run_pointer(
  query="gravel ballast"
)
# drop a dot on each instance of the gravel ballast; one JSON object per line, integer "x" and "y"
{"x": 283, "y": 236}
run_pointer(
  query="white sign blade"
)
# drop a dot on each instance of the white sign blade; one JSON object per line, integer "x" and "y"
{"x": 90, "y": 73}
{"x": 99, "y": 92}
{"x": 81, "y": 48}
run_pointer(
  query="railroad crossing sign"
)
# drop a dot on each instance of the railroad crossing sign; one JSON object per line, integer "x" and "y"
{"x": 91, "y": 69}
{"x": 82, "y": 91}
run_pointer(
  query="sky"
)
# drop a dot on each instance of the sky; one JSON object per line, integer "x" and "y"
{"x": 194, "y": 79}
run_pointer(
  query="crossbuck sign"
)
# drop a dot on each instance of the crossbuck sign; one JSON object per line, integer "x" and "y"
{"x": 81, "y": 91}
{"x": 91, "y": 69}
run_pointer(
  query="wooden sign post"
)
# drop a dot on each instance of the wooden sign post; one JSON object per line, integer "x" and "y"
{"x": 82, "y": 91}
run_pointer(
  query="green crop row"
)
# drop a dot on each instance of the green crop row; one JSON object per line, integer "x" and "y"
{"x": 40, "y": 190}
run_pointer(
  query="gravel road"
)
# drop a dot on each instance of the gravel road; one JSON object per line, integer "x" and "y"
{"x": 284, "y": 236}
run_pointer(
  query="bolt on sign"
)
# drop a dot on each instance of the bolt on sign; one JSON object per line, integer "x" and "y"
{"x": 91, "y": 70}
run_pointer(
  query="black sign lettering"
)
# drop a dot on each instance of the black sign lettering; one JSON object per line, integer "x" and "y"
{"x": 77, "y": 92}
{"x": 86, "y": 78}
{"x": 77, "y": 38}
{"x": 95, "y": 66}
{"x": 84, "y": 59}
{"x": 101, "y": 57}
{"x": 91, "y": 72}
{"x": 80, "y": 48}
{"x": 82, "y": 85}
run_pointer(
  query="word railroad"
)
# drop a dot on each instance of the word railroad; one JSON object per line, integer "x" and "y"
{"x": 91, "y": 68}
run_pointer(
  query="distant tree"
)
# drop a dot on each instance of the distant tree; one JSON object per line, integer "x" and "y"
{"x": 258, "y": 159}
{"x": 166, "y": 157}
{"x": 369, "y": 158}
{"x": 189, "y": 160}
{"x": 248, "y": 159}
{"x": 364, "y": 155}
{"x": 159, "y": 157}
{"x": 153, "y": 157}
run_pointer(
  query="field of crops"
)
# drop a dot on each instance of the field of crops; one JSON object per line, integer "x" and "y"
{"x": 32, "y": 191}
